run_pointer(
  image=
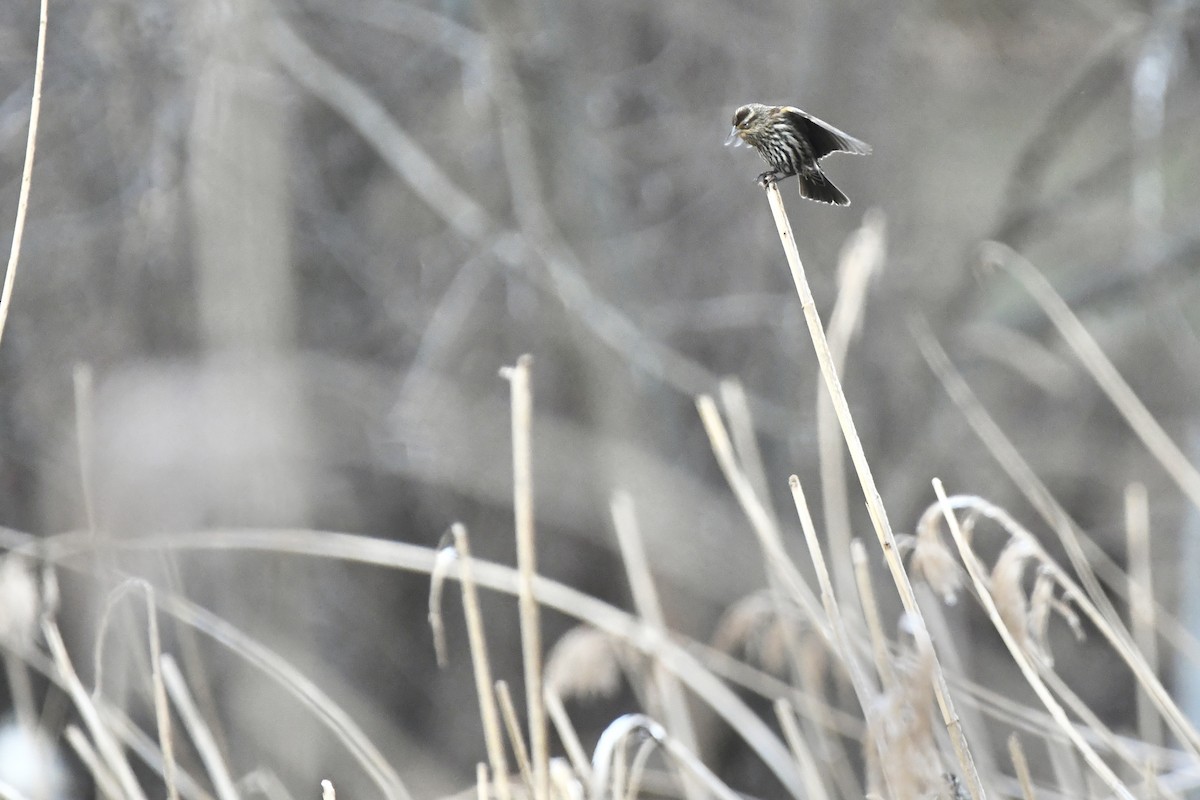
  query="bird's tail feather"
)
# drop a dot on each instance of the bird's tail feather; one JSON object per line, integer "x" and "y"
{"x": 816, "y": 186}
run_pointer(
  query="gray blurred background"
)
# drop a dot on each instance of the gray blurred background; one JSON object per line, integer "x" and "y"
{"x": 292, "y": 244}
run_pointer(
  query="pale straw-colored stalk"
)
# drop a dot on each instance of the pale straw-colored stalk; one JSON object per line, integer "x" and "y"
{"x": 1141, "y": 602}
{"x": 883, "y": 528}
{"x": 480, "y": 662}
{"x": 35, "y": 113}
{"x": 518, "y": 377}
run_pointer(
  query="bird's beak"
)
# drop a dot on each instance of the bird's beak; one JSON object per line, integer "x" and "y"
{"x": 733, "y": 138}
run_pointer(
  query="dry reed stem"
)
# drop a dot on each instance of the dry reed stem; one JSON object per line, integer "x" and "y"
{"x": 883, "y": 528}
{"x": 785, "y": 712}
{"x": 745, "y": 441}
{"x": 864, "y": 688}
{"x": 480, "y": 662}
{"x": 775, "y": 556}
{"x": 509, "y": 714}
{"x": 1156, "y": 440}
{"x": 1083, "y": 553}
{"x": 106, "y": 783}
{"x": 518, "y": 377}
{"x": 482, "y": 788}
{"x": 979, "y": 579}
{"x": 1141, "y": 602}
{"x": 327, "y": 790}
{"x": 866, "y": 597}
{"x": 1021, "y": 767}
{"x": 398, "y": 555}
{"x": 568, "y": 735}
{"x": 645, "y": 600}
{"x": 162, "y": 711}
{"x": 35, "y": 113}
{"x": 85, "y": 435}
{"x": 861, "y": 257}
{"x": 107, "y": 749}
{"x": 1097, "y": 730}
{"x": 198, "y": 730}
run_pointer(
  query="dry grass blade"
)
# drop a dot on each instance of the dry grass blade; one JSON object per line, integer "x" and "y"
{"x": 1013, "y": 463}
{"x": 531, "y": 633}
{"x": 1021, "y": 767}
{"x": 327, "y": 792}
{"x": 866, "y": 599}
{"x": 567, "y": 735}
{"x": 397, "y": 555}
{"x": 612, "y": 743}
{"x": 1141, "y": 602}
{"x": 509, "y": 714}
{"x": 198, "y": 730}
{"x": 1083, "y": 553}
{"x": 645, "y": 597}
{"x": 1180, "y": 725}
{"x": 975, "y": 570}
{"x": 446, "y": 555}
{"x": 785, "y": 712}
{"x": 35, "y": 114}
{"x": 480, "y": 663}
{"x": 107, "y": 749}
{"x": 775, "y": 556}
{"x": 1101, "y": 368}
{"x": 106, "y": 784}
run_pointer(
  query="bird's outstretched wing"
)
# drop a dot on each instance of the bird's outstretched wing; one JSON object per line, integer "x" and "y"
{"x": 824, "y": 137}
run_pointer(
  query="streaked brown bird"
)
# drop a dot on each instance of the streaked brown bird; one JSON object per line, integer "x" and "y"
{"x": 793, "y": 143}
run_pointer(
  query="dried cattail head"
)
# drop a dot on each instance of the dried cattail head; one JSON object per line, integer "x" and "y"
{"x": 584, "y": 663}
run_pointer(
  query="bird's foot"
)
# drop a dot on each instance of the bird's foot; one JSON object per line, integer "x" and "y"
{"x": 766, "y": 179}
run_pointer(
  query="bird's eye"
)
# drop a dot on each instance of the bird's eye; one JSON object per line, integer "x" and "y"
{"x": 741, "y": 118}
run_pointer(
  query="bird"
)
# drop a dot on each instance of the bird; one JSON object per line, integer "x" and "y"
{"x": 793, "y": 142}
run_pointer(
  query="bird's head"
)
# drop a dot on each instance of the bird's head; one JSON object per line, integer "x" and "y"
{"x": 744, "y": 120}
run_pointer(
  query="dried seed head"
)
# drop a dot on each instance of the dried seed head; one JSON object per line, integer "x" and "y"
{"x": 932, "y": 560}
{"x": 903, "y": 723}
{"x": 584, "y": 663}
{"x": 754, "y": 626}
{"x": 1008, "y": 591}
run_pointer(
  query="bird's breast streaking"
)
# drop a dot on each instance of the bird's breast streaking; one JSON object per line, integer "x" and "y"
{"x": 793, "y": 142}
